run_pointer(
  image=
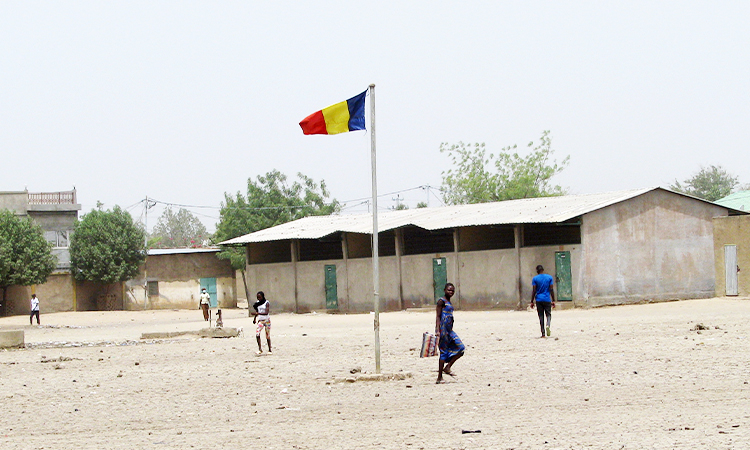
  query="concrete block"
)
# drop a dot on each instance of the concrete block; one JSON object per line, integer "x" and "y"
{"x": 219, "y": 332}
{"x": 165, "y": 334}
{"x": 11, "y": 339}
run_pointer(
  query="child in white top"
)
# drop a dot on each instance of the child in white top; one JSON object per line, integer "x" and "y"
{"x": 262, "y": 319}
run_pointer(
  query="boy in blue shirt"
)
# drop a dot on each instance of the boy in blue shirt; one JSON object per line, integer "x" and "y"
{"x": 544, "y": 295}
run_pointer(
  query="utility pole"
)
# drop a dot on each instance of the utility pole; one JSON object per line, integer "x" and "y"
{"x": 398, "y": 201}
{"x": 145, "y": 262}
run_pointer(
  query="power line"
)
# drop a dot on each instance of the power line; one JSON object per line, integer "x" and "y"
{"x": 347, "y": 204}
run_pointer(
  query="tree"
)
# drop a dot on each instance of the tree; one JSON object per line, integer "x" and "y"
{"x": 710, "y": 183}
{"x": 178, "y": 230}
{"x": 25, "y": 255}
{"x": 479, "y": 178}
{"x": 107, "y": 247}
{"x": 270, "y": 201}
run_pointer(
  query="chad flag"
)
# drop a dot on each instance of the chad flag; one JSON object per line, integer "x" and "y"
{"x": 338, "y": 118}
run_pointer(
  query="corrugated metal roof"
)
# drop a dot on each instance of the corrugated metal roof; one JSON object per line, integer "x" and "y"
{"x": 181, "y": 251}
{"x": 529, "y": 210}
{"x": 739, "y": 200}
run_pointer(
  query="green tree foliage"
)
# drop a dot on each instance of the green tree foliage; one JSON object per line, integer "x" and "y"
{"x": 25, "y": 255}
{"x": 477, "y": 177}
{"x": 710, "y": 183}
{"x": 107, "y": 247}
{"x": 177, "y": 230}
{"x": 271, "y": 200}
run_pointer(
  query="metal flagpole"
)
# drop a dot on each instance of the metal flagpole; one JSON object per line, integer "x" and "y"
{"x": 375, "y": 267}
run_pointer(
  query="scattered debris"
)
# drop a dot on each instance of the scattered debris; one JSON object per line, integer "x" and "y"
{"x": 374, "y": 377}
{"x": 58, "y": 359}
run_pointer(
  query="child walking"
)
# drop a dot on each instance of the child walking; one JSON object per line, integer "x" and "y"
{"x": 263, "y": 320}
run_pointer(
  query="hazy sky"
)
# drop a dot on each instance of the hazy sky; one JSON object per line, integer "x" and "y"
{"x": 184, "y": 101}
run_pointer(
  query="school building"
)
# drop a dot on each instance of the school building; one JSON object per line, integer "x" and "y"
{"x": 610, "y": 248}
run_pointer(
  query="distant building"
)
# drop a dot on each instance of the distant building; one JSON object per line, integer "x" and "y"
{"x": 611, "y": 248}
{"x": 172, "y": 278}
{"x": 57, "y": 214}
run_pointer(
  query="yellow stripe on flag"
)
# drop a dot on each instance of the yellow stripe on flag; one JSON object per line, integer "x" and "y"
{"x": 337, "y": 118}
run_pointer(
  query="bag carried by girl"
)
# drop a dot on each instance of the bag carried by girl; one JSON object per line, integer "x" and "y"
{"x": 429, "y": 345}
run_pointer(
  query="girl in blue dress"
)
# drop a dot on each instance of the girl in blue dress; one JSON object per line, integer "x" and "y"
{"x": 450, "y": 345}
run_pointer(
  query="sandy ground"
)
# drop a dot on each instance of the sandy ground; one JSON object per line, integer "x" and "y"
{"x": 628, "y": 377}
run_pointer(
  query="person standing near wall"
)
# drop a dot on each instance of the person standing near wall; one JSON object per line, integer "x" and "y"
{"x": 34, "y": 310}
{"x": 205, "y": 303}
{"x": 543, "y": 293}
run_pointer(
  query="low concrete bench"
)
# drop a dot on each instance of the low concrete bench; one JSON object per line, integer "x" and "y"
{"x": 12, "y": 339}
{"x": 204, "y": 333}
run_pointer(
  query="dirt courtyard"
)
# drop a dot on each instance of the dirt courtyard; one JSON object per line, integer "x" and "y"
{"x": 657, "y": 376}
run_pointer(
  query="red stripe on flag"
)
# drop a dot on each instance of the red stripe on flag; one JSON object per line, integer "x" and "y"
{"x": 315, "y": 123}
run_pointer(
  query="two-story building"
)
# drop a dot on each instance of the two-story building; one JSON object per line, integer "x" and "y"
{"x": 57, "y": 214}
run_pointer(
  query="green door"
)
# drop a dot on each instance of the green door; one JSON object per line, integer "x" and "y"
{"x": 210, "y": 285}
{"x": 439, "y": 277}
{"x": 563, "y": 277}
{"x": 332, "y": 296}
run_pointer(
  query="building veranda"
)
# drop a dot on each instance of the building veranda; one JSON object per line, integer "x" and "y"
{"x": 631, "y": 246}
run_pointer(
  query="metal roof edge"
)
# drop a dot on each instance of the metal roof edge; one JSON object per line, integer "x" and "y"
{"x": 438, "y": 218}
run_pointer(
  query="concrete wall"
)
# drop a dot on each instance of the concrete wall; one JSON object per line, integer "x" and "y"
{"x": 416, "y": 273}
{"x": 62, "y": 293}
{"x": 178, "y": 277}
{"x": 56, "y": 295}
{"x": 17, "y": 300}
{"x": 489, "y": 279}
{"x": 15, "y": 201}
{"x": 311, "y": 293}
{"x": 485, "y": 280}
{"x": 276, "y": 281}
{"x": 360, "y": 288}
{"x": 92, "y": 296}
{"x": 733, "y": 230}
{"x": 355, "y": 293}
{"x": 655, "y": 247}
{"x": 179, "y": 295}
{"x": 55, "y": 220}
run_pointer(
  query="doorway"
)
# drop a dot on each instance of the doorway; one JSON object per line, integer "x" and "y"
{"x": 563, "y": 277}
{"x": 731, "y": 269}
{"x": 210, "y": 285}
{"x": 332, "y": 296}
{"x": 439, "y": 277}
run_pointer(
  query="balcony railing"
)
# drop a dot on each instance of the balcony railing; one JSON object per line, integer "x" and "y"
{"x": 52, "y": 198}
